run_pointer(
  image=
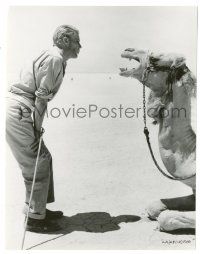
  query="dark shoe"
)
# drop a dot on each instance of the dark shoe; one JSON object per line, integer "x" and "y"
{"x": 53, "y": 214}
{"x": 42, "y": 226}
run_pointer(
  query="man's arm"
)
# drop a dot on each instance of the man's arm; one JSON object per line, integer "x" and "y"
{"x": 40, "y": 109}
{"x": 50, "y": 71}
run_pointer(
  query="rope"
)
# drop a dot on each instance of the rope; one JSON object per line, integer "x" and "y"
{"x": 146, "y": 133}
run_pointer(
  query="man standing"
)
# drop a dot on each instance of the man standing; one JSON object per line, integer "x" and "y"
{"x": 27, "y": 103}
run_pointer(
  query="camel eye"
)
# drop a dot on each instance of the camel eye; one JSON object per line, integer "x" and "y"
{"x": 153, "y": 59}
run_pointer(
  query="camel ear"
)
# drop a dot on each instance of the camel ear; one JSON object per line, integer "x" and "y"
{"x": 178, "y": 62}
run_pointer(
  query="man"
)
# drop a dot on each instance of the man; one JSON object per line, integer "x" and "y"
{"x": 27, "y": 102}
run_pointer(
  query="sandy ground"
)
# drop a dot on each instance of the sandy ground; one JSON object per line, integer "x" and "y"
{"x": 104, "y": 176}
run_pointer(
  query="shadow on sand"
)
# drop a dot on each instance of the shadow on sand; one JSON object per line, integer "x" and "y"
{"x": 94, "y": 222}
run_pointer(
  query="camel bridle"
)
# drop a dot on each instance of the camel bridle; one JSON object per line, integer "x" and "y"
{"x": 149, "y": 68}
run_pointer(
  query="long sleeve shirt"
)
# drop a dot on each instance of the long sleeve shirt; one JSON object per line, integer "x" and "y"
{"x": 41, "y": 78}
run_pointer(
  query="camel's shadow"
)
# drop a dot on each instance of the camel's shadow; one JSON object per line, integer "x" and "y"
{"x": 95, "y": 222}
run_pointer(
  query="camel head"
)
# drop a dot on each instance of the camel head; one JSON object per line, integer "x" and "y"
{"x": 160, "y": 72}
{"x": 153, "y": 70}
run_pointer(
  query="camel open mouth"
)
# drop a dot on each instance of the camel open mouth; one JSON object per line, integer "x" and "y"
{"x": 135, "y": 62}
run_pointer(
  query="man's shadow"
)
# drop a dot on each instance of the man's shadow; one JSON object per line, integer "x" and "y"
{"x": 94, "y": 222}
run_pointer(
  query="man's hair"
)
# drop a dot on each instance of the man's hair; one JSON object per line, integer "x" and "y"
{"x": 63, "y": 31}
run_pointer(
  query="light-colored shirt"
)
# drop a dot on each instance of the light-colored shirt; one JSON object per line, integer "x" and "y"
{"x": 41, "y": 78}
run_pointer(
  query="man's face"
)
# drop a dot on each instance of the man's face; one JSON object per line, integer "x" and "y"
{"x": 74, "y": 46}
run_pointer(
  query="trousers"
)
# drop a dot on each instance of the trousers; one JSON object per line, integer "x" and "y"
{"x": 21, "y": 139}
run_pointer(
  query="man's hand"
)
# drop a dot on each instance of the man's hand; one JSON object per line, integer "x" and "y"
{"x": 35, "y": 144}
{"x": 38, "y": 116}
{"x": 37, "y": 134}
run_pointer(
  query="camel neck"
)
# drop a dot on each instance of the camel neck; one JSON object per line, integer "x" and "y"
{"x": 175, "y": 127}
{"x": 182, "y": 100}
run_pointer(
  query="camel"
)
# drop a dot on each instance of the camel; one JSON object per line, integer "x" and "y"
{"x": 172, "y": 85}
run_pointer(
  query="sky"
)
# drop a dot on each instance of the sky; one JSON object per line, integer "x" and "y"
{"x": 104, "y": 32}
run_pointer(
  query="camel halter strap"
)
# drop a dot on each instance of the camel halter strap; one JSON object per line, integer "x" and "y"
{"x": 147, "y": 70}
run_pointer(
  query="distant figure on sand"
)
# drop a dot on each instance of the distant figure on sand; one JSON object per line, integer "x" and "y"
{"x": 172, "y": 85}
